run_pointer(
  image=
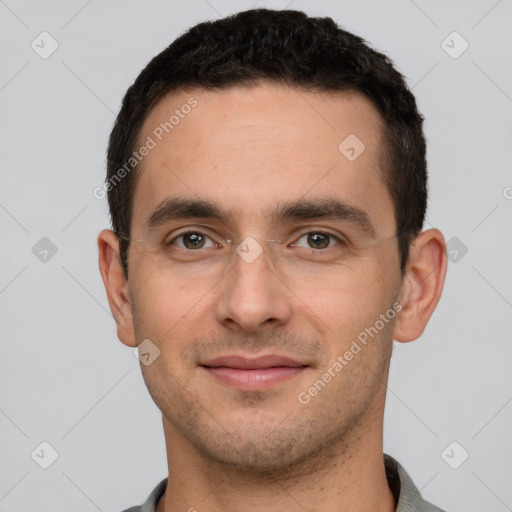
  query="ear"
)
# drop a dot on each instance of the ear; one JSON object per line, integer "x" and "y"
{"x": 422, "y": 285}
{"x": 116, "y": 286}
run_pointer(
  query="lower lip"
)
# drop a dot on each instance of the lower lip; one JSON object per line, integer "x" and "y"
{"x": 254, "y": 380}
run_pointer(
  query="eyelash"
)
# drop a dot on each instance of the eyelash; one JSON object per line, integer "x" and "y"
{"x": 195, "y": 232}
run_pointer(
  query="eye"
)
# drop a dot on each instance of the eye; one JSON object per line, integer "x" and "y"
{"x": 192, "y": 240}
{"x": 318, "y": 240}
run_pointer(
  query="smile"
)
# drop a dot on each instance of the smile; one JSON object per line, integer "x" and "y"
{"x": 253, "y": 374}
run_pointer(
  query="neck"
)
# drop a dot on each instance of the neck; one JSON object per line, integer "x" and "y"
{"x": 349, "y": 475}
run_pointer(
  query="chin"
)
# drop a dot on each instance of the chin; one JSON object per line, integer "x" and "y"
{"x": 257, "y": 449}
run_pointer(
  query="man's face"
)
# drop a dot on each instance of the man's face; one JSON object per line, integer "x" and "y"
{"x": 304, "y": 285}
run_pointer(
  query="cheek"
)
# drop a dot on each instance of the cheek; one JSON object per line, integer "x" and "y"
{"x": 359, "y": 339}
{"x": 158, "y": 305}
{"x": 345, "y": 302}
{"x": 166, "y": 312}
{"x": 170, "y": 307}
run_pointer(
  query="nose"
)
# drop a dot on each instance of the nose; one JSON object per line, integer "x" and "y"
{"x": 252, "y": 295}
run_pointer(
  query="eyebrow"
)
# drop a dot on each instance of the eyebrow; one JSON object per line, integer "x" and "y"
{"x": 179, "y": 208}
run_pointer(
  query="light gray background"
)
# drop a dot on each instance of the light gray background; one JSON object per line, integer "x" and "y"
{"x": 67, "y": 380}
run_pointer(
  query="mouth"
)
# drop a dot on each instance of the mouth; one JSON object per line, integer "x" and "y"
{"x": 253, "y": 374}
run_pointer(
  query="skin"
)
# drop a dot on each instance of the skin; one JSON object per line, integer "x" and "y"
{"x": 249, "y": 149}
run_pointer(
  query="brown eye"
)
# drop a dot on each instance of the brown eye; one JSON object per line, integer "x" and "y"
{"x": 318, "y": 240}
{"x": 191, "y": 240}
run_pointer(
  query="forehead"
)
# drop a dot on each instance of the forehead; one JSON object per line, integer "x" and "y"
{"x": 250, "y": 147}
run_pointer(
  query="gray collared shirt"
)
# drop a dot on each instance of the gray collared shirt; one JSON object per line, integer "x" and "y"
{"x": 407, "y": 495}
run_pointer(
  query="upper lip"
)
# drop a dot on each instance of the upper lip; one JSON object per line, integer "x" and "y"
{"x": 245, "y": 363}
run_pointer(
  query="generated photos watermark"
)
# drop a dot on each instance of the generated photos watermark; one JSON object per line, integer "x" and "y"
{"x": 362, "y": 338}
{"x": 151, "y": 142}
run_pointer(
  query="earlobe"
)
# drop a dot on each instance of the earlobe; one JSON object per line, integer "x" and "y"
{"x": 422, "y": 285}
{"x": 116, "y": 286}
